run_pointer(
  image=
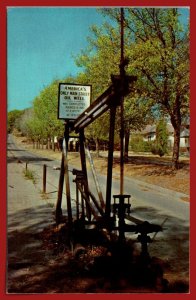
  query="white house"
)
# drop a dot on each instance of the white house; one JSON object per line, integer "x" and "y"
{"x": 149, "y": 134}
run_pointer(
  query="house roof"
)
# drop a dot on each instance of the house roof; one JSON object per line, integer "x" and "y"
{"x": 185, "y": 133}
{"x": 149, "y": 129}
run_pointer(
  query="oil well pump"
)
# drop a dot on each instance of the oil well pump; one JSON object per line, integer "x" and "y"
{"x": 112, "y": 213}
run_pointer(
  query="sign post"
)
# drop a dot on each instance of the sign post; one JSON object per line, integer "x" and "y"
{"x": 73, "y": 100}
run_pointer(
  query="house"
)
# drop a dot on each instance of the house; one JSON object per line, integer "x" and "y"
{"x": 149, "y": 134}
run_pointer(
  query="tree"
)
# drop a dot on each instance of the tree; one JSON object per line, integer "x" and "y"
{"x": 137, "y": 115}
{"x": 45, "y": 110}
{"x": 161, "y": 58}
{"x": 100, "y": 61}
{"x": 13, "y": 117}
{"x": 27, "y": 115}
{"x": 161, "y": 144}
{"x": 159, "y": 53}
{"x": 34, "y": 128}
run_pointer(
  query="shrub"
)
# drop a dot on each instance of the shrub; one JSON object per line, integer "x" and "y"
{"x": 160, "y": 147}
{"x": 139, "y": 145}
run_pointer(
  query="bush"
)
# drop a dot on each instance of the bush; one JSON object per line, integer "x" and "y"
{"x": 139, "y": 145}
{"x": 157, "y": 150}
{"x": 160, "y": 147}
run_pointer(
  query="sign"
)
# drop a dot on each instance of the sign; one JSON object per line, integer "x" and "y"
{"x": 73, "y": 100}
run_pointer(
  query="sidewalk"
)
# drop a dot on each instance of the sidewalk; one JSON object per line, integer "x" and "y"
{"x": 27, "y": 215}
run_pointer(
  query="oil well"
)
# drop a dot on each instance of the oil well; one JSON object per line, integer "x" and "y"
{"x": 93, "y": 220}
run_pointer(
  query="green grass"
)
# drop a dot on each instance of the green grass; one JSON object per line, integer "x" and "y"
{"x": 30, "y": 175}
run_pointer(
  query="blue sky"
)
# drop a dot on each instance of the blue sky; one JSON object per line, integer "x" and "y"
{"x": 41, "y": 45}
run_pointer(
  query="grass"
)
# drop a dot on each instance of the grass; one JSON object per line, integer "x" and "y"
{"x": 46, "y": 197}
{"x": 30, "y": 175}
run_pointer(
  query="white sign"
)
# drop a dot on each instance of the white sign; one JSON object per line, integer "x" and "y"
{"x": 73, "y": 100}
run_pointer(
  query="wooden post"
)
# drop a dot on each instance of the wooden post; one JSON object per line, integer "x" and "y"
{"x": 84, "y": 170}
{"x": 77, "y": 204}
{"x": 110, "y": 161}
{"x": 60, "y": 192}
{"x": 68, "y": 194}
{"x": 44, "y": 178}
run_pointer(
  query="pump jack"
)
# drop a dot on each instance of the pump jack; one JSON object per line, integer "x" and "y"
{"x": 89, "y": 210}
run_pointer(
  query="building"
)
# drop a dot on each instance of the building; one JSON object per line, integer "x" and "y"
{"x": 149, "y": 134}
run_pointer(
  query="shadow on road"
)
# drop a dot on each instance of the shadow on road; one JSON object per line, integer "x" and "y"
{"x": 27, "y": 158}
{"x": 172, "y": 244}
{"x": 34, "y": 268}
{"x": 11, "y": 149}
{"x": 24, "y": 245}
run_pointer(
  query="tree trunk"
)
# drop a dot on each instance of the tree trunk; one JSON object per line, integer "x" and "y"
{"x": 42, "y": 143}
{"x": 49, "y": 143}
{"x": 176, "y": 122}
{"x": 176, "y": 148}
{"x": 97, "y": 147}
{"x": 126, "y": 153}
{"x": 53, "y": 147}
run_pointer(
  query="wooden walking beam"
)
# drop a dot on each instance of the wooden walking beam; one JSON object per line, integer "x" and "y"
{"x": 111, "y": 97}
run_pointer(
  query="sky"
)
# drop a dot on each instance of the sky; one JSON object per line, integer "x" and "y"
{"x": 41, "y": 45}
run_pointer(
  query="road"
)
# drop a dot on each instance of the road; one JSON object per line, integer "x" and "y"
{"x": 149, "y": 202}
{"x": 144, "y": 195}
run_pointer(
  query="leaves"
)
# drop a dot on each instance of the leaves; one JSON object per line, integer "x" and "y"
{"x": 157, "y": 48}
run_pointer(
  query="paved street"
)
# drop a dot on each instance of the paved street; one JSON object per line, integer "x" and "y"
{"x": 28, "y": 213}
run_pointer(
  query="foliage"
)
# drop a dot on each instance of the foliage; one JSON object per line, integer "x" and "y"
{"x": 13, "y": 117}
{"x": 45, "y": 111}
{"x": 160, "y": 146}
{"x": 159, "y": 54}
{"x": 157, "y": 50}
{"x": 23, "y": 121}
{"x": 104, "y": 47}
{"x": 139, "y": 145}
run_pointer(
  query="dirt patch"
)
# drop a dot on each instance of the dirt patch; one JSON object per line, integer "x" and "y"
{"x": 111, "y": 268}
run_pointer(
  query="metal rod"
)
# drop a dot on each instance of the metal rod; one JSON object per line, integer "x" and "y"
{"x": 99, "y": 192}
{"x": 122, "y": 75}
{"x": 88, "y": 203}
{"x": 155, "y": 234}
{"x": 100, "y": 210}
